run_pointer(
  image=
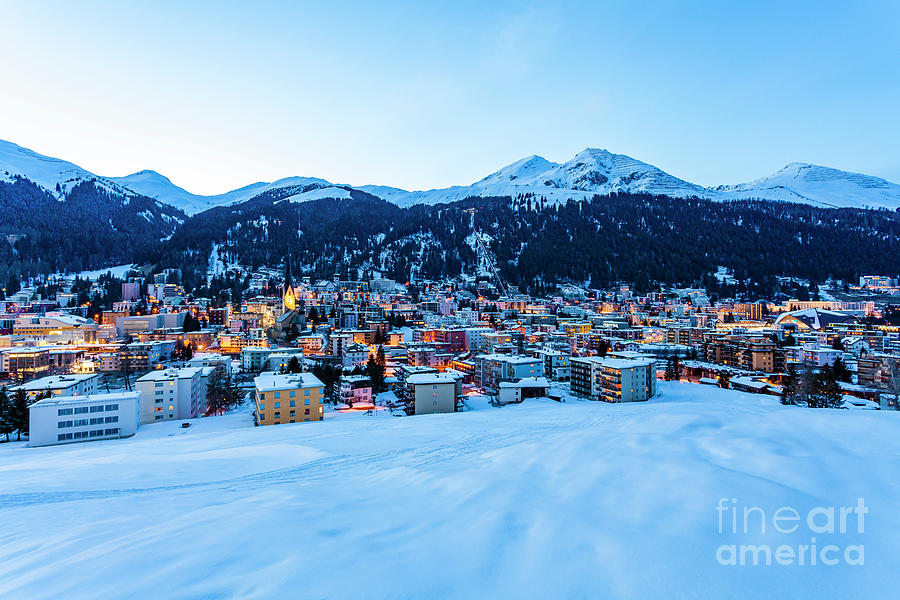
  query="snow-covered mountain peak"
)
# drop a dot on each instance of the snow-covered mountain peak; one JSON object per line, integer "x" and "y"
{"x": 521, "y": 171}
{"x": 55, "y": 175}
{"x": 592, "y": 171}
{"x": 815, "y": 184}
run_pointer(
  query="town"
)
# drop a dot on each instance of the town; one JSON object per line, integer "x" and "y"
{"x": 94, "y": 359}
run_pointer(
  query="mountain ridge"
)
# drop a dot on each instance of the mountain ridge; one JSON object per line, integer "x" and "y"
{"x": 593, "y": 171}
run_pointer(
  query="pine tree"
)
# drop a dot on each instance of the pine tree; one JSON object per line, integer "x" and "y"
{"x": 294, "y": 366}
{"x": 828, "y": 389}
{"x": 19, "y": 413}
{"x": 6, "y": 423}
{"x": 221, "y": 394}
{"x": 375, "y": 369}
{"x": 841, "y": 372}
{"x": 789, "y": 385}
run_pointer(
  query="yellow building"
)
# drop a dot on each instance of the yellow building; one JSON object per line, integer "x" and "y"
{"x": 290, "y": 398}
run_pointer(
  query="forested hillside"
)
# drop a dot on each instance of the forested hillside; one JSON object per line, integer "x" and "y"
{"x": 626, "y": 237}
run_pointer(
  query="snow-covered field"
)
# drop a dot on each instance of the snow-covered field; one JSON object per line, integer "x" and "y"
{"x": 540, "y": 500}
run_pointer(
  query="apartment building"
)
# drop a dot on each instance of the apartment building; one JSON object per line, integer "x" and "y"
{"x": 556, "y": 364}
{"x": 355, "y": 389}
{"x": 172, "y": 394}
{"x": 432, "y": 393}
{"x": 25, "y": 362}
{"x": 291, "y": 398}
{"x": 491, "y": 369}
{"x": 209, "y": 359}
{"x": 234, "y": 343}
{"x": 748, "y": 353}
{"x": 60, "y": 385}
{"x": 67, "y": 419}
{"x": 614, "y": 379}
{"x": 50, "y": 323}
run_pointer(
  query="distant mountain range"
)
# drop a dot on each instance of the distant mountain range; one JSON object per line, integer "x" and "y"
{"x": 590, "y": 172}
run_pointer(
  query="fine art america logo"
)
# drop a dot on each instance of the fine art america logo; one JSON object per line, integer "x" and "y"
{"x": 821, "y": 535}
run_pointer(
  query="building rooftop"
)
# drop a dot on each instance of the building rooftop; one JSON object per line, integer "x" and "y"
{"x": 271, "y": 381}
{"x": 526, "y": 382}
{"x": 171, "y": 374}
{"x": 429, "y": 379}
{"x": 89, "y": 399}
{"x": 53, "y": 382}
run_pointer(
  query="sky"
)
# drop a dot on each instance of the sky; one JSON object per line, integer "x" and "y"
{"x": 216, "y": 95}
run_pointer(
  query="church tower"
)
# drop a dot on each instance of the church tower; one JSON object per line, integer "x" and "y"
{"x": 288, "y": 299}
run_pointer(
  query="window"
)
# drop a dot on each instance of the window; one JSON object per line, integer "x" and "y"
{"x": 80, "y": 422}
{"x": 112, "y": 407}
{"x": 98, "y": 408}
{"x": 305, "y": 411}
{"x": 157, "y": 417}
{"x": 306, "y": 419}
{"x": 64, "y": 424}
{"x": 293, "y": 402}
{"x": 63, "y": 436}
{"x": 278, "y": 405}
{"x": 64, "y": 411}
{"x": 158, "y": 409}
{"x": 262, "y": 416}
{"x": 97, "y": 421}
{"x": 158, "y": 393}
{"x": 158, "y": 384}
{"x": 306, "y": 402}
{"x": 278, "y": 394}
{"x": 80, "y": 435}
{"x": 262, "y": 396}
{"x": 81, "y": 410}
{"x": 278, "y": 415}
{"x": 262, "y": 406}
{"x": 112, "y": 419}
{"x": 306, "y": 392}
{"x": 112, "y": 431}
{"x": 293, "y": 393}
{"x": 291, "y": 413}
{"x": 96, "y": 433}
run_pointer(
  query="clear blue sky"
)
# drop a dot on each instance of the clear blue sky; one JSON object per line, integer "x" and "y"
{"x": 217, "y": 95}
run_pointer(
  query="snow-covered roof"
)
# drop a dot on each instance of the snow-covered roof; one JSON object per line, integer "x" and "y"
{"x": 268, "y": 381}
{"x": 429, "y": 379}
{"x": 89, "y": 399}
{"x": 526, "y": 382}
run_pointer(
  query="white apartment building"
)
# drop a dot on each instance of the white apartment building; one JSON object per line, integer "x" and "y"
{"x": 356, "y": 389}
{"x": 354, "y": 355}
{"x": 475, "y": 340}
{"x": 61, "y": 385}
{"x": 66, "y": 419}
{"x": 491, "y": 369}
{"x": 221, "y": 362}
{"x": 433, "y": 393}
{"x": 556, "y": 364}
{"x": 172, "y": 394}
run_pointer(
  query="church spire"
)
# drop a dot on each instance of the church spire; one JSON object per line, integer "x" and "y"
{"x": 288, "y": 299}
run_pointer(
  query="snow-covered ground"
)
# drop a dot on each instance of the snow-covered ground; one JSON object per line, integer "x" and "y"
{"x": 539, "y": 500}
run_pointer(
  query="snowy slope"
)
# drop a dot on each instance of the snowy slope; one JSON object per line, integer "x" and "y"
{"x": 542, "y": 500}
{"x": 55, "y": 175}
{"x": 154, "y": 185}
{"x": 812, "y": 184}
